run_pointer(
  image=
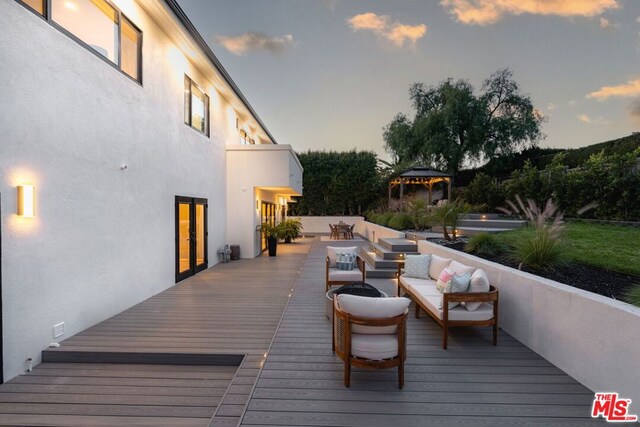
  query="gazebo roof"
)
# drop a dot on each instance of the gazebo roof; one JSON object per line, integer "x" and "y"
{"x": 424, "y": 172}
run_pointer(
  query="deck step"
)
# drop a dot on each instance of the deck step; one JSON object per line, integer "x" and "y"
{"x": 422, "y": 235}
{"x": 398, "y": 245}
{"x": 385, "y": 273}
{"x": 472, "y": 231}
{"x": 61, "y": 355}
{"x": 376, "y": 262}
{"x": 386, "y": 254}
{"x": 507, "y": 224}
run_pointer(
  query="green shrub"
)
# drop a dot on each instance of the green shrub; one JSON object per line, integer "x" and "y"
{"x": 485, "y": 244}
{"x": 417, "y": 209}
{"x": 290, "y": 229}
{"x": 400, "y": 221}
{"x": 384, "y": 218}
{"x": 484, "y": 191}
{"x": 633, "y": 295}
{"x": 542, "y": 244}
{"x": 449, "y": 216}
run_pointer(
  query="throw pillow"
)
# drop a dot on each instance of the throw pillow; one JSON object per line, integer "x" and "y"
{"x": 345, "y": 261}
{"x": 436, "y": 266}
{"x": 443, "y": 279}
{"x": 417, "y": 266}
{"x": 460, "y": 268}
{"x": 458, "y": 283}
{"x": 332, "y": 252}
{"x": 479, "y": 283}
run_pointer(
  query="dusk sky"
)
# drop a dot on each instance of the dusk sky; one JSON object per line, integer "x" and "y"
{"x": 330, "y": 74}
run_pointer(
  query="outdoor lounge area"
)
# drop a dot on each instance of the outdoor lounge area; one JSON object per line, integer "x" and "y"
{"x": 283, "y": 370}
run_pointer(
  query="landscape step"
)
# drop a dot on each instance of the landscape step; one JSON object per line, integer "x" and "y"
{"x": 377, "y": 262}
{"x": 380, "y": 274}
{"x": 398, "y": 245}
{"x": 386, "y": 254}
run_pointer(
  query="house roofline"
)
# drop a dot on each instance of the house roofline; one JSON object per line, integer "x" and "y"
{"x": 202, "y": 44}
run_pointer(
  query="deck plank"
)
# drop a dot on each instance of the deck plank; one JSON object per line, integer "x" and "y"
{"x": 230, "y": 309}
{"x": 471, "y": 383}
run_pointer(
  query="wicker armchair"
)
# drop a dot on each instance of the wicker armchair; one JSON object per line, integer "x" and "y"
{"x": 354, "y": 336}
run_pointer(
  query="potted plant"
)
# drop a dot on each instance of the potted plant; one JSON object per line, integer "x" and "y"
{"x": 290, "y": 229}
{"x": 272, "y": 233}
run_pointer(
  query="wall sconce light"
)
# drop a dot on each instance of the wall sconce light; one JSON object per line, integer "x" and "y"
{"x": 26, "y": 201}
{"x": 257, "y": 204}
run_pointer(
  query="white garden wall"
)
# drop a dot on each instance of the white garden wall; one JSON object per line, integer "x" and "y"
{"x": 368, "y": 230}
{"x": 592, "y": 338}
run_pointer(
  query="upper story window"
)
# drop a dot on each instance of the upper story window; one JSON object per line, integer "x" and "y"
{"x": 98, "y": 25}
{"x": 196, "y": 107}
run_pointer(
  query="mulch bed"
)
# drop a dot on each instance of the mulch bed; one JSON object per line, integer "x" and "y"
{"x": 608, "y": 283}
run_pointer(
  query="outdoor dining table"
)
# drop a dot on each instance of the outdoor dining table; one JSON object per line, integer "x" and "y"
{"x": 343, "y": 229}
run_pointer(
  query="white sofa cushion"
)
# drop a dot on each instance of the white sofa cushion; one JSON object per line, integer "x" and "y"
{"x": 417, "y": 266}
{"x": 437, "y": 265}
{"x": 374, "y": 347}
{"x": 460, "y": 268}
{"x": 373, "y": 308}
{"x": 483, "y": 312}
{"x": 354, "y": 275}
{"x": 479, "y": 283}
{"x": 456, "y": 284}
{"x": 411, "y": 282}
{"x": 332, "y": 252}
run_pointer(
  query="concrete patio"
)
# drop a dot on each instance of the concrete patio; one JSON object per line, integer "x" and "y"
{"x": 246, "y": 308}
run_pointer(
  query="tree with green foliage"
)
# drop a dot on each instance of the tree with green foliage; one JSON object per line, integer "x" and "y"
{"x": 453, "y": 125}
{"x": 338, "y": 183}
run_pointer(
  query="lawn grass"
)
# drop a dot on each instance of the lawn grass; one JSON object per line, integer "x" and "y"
{"x": 606, "y": 246}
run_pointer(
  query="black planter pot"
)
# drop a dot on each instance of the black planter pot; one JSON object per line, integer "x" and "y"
{"x": 272, "y": 243}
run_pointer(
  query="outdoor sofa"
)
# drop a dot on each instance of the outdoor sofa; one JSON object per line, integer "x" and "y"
{"x": 478, "y": 306}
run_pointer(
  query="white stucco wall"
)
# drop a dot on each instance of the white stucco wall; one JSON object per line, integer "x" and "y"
{"x": 590, "y": 337}
{"x": 368, "y": 230}
{"x": 103, "y": 238}
{"x": 257, "y": 173}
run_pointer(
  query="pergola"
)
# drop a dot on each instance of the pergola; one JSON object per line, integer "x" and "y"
{"x": 420, "y": 176}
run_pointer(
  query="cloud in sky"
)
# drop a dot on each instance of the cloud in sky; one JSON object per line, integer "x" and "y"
{"x": 606, "y": 24}
{"x": 592, "y": 120}
{"x": 394, "y": 32}
{"x": 551, "y": 106}
{"x": 624, "y": 90}
{"x": 486, "y": 12}
{"x": 251, "y": 42}
{"x": 634, "y": 110}
{"x": 573, "y": 103}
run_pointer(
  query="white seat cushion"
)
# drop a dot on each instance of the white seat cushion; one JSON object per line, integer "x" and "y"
{"x": 484, "y": 312}
{"x": 436, "y": 266}
{"x": 374, "y": 347}
{"x": 354, "y": 275}
{"x": 479, "y": 283}
{"x": 333, "y": 250}
{"x": 460, "y": 268}
{"x": 411, "y": 282}
{"x": 373, "y": 308}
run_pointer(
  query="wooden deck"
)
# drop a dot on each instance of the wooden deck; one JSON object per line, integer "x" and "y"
{"x": 236, "y": 309}
{"x": 228, "y": 310}
{"x": 471, "y": 383}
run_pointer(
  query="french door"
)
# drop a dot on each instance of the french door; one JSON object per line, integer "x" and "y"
{"x": 268, "y": 215}
{"x": 191, "y": 236}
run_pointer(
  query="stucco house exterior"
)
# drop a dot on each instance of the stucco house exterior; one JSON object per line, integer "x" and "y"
{"x": 128, "y": 157}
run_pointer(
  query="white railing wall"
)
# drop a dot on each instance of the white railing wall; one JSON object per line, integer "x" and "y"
{"x": 368, "y": 230}
{"x": 592, "y": 338}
